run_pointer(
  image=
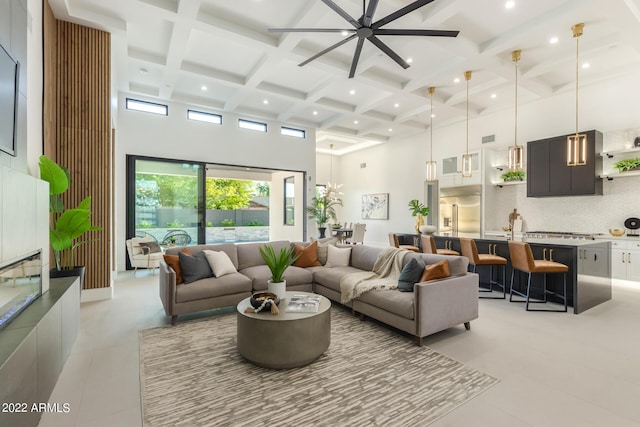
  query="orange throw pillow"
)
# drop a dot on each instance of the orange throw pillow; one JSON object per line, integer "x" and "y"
{"x": 439, "y": 270}
{"x": 173, "y": 261}
{"x": 307, "y": 257}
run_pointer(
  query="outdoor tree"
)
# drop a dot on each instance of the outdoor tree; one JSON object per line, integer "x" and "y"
{"x": 228, "y": 194}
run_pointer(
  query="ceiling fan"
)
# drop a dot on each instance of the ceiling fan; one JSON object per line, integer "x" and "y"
{"x": 365, "y": 28}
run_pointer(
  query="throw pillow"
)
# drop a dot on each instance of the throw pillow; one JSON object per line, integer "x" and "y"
{"x": 153, "y": 247}
{"x": 194, "y": 267}
{"x": 219, "y": 262}
{"x": 307, "y": 256}
{"x": 323, "y": 248}
{"x": 338, "y": 257}
{"x": 173, "y": 261}
{"x": 410, "y": 275}
{"x": 439, "y": 270}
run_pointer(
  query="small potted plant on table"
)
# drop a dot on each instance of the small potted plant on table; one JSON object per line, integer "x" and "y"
{"x": 278, "y": 264}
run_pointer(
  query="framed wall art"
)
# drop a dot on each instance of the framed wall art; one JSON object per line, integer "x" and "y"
{"x": 375, "y": 206}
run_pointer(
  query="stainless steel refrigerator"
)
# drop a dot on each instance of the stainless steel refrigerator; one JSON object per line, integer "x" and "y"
{"x": 460, "y": 210}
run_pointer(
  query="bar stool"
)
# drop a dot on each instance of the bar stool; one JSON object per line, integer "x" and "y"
{"x": 429, "y": 247}
{"x": 470, "y": 250}
{"x": 522, "y": 260}
{"x": 394, "y": 242}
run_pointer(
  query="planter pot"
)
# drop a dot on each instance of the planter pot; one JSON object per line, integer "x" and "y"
{"x": 322, "y": 230}
{"x": 279, "y": 288}
{"x": 635, "y": 168}
{"x": 78, "y": 270}
{"x": 428, "y": 229}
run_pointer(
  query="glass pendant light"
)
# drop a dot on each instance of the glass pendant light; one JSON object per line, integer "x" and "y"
{"x": 467, "y": 165}
{"x": 577, "y": 144}
{"x": 432, "y": 166}
{"x": 516, "y": 152}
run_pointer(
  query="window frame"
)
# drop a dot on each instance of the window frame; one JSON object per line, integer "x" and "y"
{"x": 140, "y": 101}
{"x": 206, "y": 114}
{"x": 252, "y": 122}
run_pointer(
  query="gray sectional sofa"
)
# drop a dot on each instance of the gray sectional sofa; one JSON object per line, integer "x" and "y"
{"x": 432, "y": 307}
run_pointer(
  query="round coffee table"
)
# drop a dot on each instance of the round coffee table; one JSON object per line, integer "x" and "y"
{"x": 286, "y": 340}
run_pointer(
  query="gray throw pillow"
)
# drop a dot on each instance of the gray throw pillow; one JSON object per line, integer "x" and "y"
{"x": 194, "y": 267}
{"x": 410, "y": 275}
{"x": 153, "y": 246}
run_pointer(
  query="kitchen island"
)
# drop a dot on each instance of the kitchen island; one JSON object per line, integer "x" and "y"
{"x": 589, "y": 262}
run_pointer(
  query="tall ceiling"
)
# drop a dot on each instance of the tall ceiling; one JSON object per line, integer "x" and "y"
{"x": 172, "y": 49}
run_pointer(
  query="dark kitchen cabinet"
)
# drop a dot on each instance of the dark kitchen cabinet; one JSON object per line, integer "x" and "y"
{"x": 548, "y": 174}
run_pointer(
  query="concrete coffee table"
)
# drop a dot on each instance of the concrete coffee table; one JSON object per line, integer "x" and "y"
{"x": 286, "y": 340}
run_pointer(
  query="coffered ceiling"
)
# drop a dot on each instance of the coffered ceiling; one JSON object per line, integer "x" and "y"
{"x": 174, "y": 49}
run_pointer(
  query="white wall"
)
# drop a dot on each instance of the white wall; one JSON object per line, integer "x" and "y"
{"x": 398, "y": 167}
{"x": 277, "y": 229}
{"x": 175, "y": 137}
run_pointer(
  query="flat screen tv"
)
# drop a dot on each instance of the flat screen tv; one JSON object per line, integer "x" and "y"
{"x": 9, "y": 72}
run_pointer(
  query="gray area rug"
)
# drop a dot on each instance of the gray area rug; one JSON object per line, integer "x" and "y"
{"x": 192, "y": 375}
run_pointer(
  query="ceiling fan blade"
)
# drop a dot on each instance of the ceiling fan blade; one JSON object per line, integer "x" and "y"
{"x": 390, "y": 53}
{"x": 356, "y": 57}
{"x": 431, "y": 33}
{"x": 400, "y": 13}
{"x": 308, "y": 30}
{"x": 337, "y": 9}
{"x": 371, "y": 9}
{"x": 329, "y": 49}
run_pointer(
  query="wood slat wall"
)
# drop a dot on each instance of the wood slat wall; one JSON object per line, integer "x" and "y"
{"x": 82, "y": 140}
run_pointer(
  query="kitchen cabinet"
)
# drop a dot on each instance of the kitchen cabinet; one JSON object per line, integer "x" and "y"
{"x": 549, "y": 176}
{"x": 625, "y": 260}
{"x": 452, "y": 171}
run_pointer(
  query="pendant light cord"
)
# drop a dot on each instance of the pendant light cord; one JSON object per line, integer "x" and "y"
{"x": 577, "y": 68}
{"x": 468, "y": 115}
{"x": 431, "y": 129}
{"x": 515, "y": 137}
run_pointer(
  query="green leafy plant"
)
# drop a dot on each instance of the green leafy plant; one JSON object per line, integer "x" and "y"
{"x": 145, "y": 224}
{"x": 513, "y": 176}
{"x": 322, "y": 207}
{"x": 174, "y": 224}
{"x": 209, "y": 223}
{"x": 627, "y": 164}
{"x": 417, "y": 208}
{"x": 227, "y": 223}
{"x": 255, "y": 224}
{"x": 68, "y": 225}
{"x": 277, "y": 262}
{"x": 172, "y": 240}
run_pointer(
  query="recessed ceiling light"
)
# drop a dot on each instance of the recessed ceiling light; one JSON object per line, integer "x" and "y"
{"x": 344, "y": 33}
{"x": 493, "y": 96}
{"x": 433, "y": 115}
{"x": 409, "y": 60}
{"x": 390, "y": 129}
{"x": 352, "y": 92}
{"x": 355, "y": 122}
{"x": 266, "y": 101}
{"x": 203, "y": 87}
{"x": 315, "y": 113}
{"x": 586, "y": 65}
{"x": 456, "y": 80}
{"x": 553, "y": 40}
{"x": 396, "y": 105}
{"x": 510, "y": 4}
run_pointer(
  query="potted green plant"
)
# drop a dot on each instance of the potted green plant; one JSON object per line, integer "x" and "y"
{"x": 68, "y": 226}
{"x": 513, "y": 176}
{"x": 627, "y": 164}
{"x": 278, "y": 264}
{"x": 322, "y": 209}
{"x": 419, "y": 210}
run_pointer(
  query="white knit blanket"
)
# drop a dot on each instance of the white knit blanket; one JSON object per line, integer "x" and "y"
{"x": 386, "y": 271}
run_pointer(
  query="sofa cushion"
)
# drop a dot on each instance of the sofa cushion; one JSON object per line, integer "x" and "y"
{"x": 173, "y": 261}
{"x": 399, "y": 303}
{"x": 212, "y": 287}
{"x": 249, "y": 253}
{"x": 194, "y": 267}
{"x": 323, "y": 248}
{"x": 439, "y": 270}
{"x": 410, "y": 275}
{"x": 364, "y": 257}
{"x": 307, "y": 256}
{"x": 228, "y": 248}
{"x": 136, "y": 248}
{"x": 458, "y": 265}
{"x": 219, "y": 262}
{"x": 259, "y": 275}
{"x": 330, "y": 277}
{"x": 338, "y": 257}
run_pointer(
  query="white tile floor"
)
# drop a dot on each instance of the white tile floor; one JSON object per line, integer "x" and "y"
{"x": 555, "y": 369}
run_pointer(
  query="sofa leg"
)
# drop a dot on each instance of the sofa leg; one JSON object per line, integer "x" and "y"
{"x": 361, "y": 316}
{"x": 467, "y": 326}
{"x": 174, "y": 320}
{"x": 419, "y": 341}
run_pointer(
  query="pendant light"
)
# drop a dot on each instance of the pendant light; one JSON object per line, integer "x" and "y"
{"x": 577, "y": 144}
{"x": 467, "y": 165}
{"x": 516, "y": 152}
{"x": 432, "y": 167}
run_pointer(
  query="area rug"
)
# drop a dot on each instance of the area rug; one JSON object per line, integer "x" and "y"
{"x": 192, "y": 375}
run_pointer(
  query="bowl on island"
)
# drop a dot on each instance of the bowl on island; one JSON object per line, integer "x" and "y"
{"x": 616, "y": 232}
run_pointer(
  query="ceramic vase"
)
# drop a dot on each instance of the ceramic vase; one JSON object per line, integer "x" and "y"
{"x": 278, "y": 288}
